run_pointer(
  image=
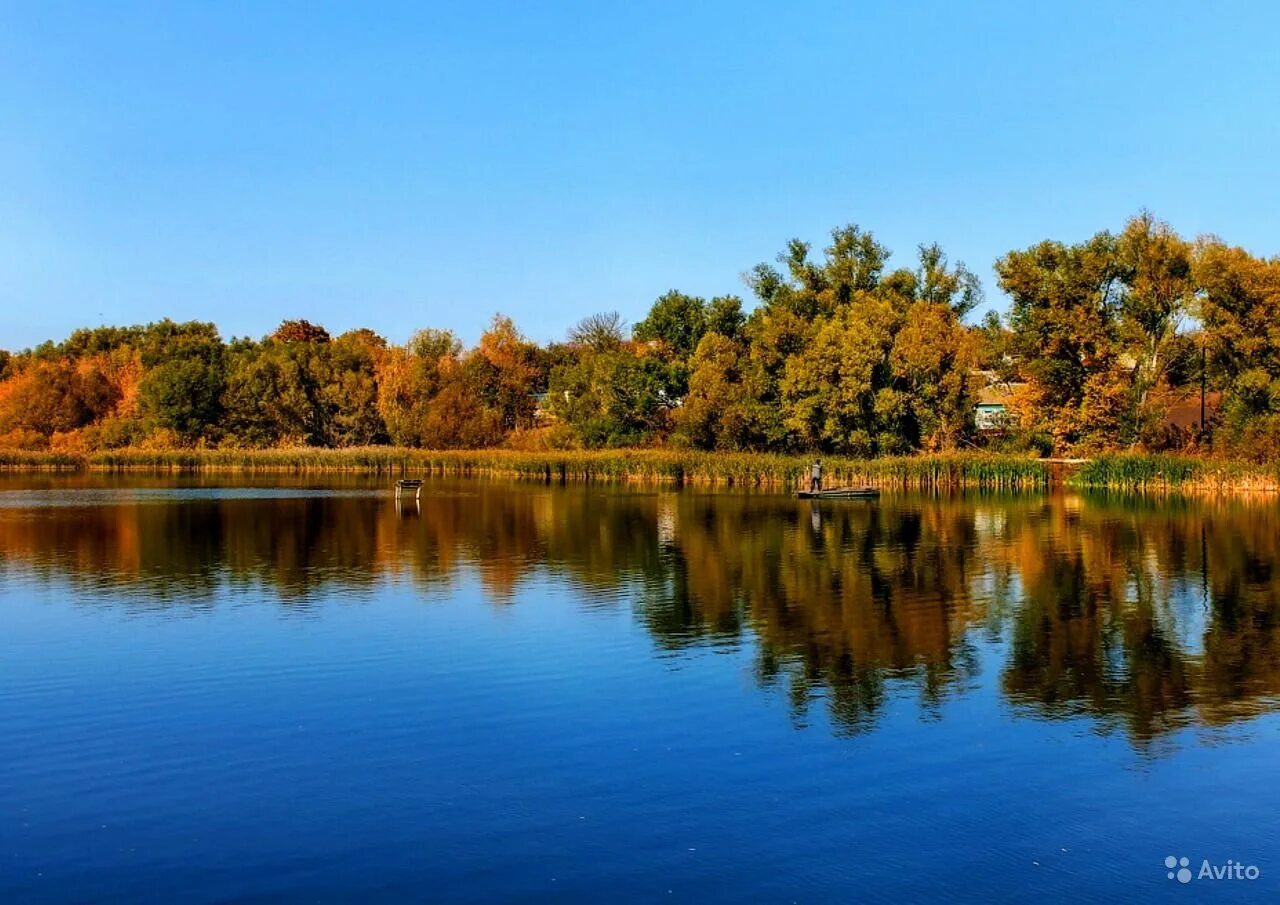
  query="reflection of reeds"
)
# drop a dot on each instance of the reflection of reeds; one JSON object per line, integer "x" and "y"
{"x": 651, "y": 466}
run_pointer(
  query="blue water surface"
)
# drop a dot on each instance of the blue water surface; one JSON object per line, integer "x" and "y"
{"x": 529, "y": 694}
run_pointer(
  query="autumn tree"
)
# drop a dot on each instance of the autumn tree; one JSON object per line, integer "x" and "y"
{"x": 1063, "y": 314}
{"x": 840, "y": 351}
{"x": 932, "y": 366}
{"x": 300, "y": 331}
{"x": 410, "y": 377}
{"x": 724, "y": 407}
{"x": 835, "y": 392}
{"x": 1158, "y": 291}
{"x": 1239, "y": 308}
{"x": 49, "y": 397}
{"x": 506, "y": 371}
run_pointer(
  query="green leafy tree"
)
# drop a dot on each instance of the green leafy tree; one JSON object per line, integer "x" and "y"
{"x": 613, "y": 398}
{"x": 253, "y": 396}
{"x": 185, "y": 395}
{"x": 725, "y": 317}
{"x": 184, "y": 380}
{"x": 676, "y": 321}
{"x": 853, "y": 262}
{"x": 940, "y": 284}
{"x": 351, "y": 388}
{"x": 993, "y": 347}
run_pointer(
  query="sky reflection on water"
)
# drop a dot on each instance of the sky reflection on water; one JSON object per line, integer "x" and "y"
{"x": 280, "y": 689}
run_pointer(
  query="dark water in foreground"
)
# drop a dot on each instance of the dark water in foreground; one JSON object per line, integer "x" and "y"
{"x": 527, "y": 693}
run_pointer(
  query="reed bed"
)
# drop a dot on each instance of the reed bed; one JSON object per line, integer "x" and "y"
{"x": 1128, "y": 472}
{"x": 1184, "y": 474}
{"x": 626, "y": 465}
{"x": 26, "y": 460}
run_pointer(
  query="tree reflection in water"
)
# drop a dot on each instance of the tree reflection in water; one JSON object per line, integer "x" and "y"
{"x": 1142, "y": 615}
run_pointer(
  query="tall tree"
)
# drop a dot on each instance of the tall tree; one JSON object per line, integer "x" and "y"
{"x": 835, "y": 392}
{"x": 410, "y": 378}
{"x": 185, "y": 378}
{"x": 506, "y": 371}
{"x": 599, "y": 332}
{"x": 932, "y": 361}
{"x": 1158, "y": 291}
{"x": 615, "y": 398}
{"x": 1239, "y": 308}
{"x": 676, "y": 321}
{"x": 724, "y": 408}
{"x": 1063, "y": 314}
{"x": 724, "y": 316}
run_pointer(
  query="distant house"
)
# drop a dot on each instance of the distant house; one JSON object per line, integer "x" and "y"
{"x": 540, "y": 412}
{"x": 991, "y": 413}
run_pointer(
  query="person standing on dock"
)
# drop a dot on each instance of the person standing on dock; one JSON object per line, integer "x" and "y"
{"x": 815, "y": 476}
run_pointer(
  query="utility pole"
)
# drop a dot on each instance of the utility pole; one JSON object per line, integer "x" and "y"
{"x": 1203, "y": 359}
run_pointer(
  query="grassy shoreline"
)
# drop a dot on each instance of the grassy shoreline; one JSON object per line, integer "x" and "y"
{"x": 625, "y": 465}
{"x": 1174, "y": 473}
{"x": 1129, "y": 472}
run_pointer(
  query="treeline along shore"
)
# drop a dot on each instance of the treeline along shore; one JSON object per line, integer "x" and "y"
{"x": 1138, "y": 343}
{"x": 769, "y": 471}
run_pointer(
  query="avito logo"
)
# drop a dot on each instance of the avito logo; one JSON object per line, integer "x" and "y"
{"x": 1179, "y": 868}
{"x": 1183, "y": 872}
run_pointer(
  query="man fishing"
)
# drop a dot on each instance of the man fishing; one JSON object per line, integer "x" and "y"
{"x": 815, "y": 476}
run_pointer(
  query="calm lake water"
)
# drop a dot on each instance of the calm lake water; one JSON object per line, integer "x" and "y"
{"x": 296, "y": 692}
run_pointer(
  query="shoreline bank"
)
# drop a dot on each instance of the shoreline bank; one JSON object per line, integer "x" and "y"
{"x": 1128, "y": 472}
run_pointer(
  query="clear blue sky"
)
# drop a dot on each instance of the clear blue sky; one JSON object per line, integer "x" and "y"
{"x": 406, "y": 165}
